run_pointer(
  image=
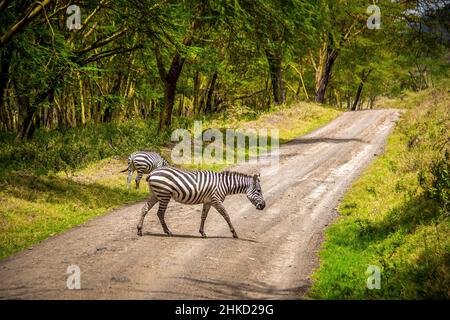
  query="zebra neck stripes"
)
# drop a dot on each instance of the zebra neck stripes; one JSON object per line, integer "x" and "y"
{"x": 236, "y": 183}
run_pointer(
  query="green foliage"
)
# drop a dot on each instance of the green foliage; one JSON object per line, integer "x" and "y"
{"x": 36, "y": 207}
{"x": 71, "y": 149}
{"x": 438, "y": 186}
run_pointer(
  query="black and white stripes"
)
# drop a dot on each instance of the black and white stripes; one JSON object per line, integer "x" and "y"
{"x": 195, "y": 187}
{"x": 143, "y": 162}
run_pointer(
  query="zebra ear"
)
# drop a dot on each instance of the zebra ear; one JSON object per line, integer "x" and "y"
{"x": 256, "y": 177}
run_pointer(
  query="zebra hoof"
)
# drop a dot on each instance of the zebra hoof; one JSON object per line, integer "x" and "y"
{"x": 139, "y": 232}
{"x": 235, "y": 236}
{"x": 203, "y": 234}
{"x": 169, "y": 234}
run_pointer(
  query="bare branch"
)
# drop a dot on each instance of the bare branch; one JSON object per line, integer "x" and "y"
{"x": 102, "y": 42}
{"x": 108, "y": 53}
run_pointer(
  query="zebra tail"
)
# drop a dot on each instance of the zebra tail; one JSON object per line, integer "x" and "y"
{"x": 130, "y": 160}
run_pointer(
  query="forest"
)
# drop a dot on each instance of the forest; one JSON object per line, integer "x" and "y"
{"x": 105, "y": 61}
{"x": 85, "y": 83}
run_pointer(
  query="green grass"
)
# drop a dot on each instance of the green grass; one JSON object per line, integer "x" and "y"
{"x": 36, "y": 207}
{"x": 37, "y": 202}
{"x": 396, "y": 215}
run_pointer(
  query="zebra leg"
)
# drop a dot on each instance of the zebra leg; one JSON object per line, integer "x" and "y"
{"x": 138, "y": 178}
{"x": 161, "y": 212}
{"x": 219, "y": 207}
{"x": 206, "y": 207}
{"x": 130, "y": 176}
{"x": 147, "y": 207}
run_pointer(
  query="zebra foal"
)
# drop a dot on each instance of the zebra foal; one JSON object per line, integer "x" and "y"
{"x": 197, "y": 186}
{"x": 143, "y": 162}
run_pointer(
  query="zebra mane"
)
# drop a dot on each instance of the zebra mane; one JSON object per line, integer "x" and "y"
{"x": 235, "y": 173}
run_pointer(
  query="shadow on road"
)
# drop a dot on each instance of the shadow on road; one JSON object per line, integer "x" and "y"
{"x": 189, "y": 236}
{"x": 319, "y": 140}
{"x": 220, "y": 289}
{"x": 309, "y": 141}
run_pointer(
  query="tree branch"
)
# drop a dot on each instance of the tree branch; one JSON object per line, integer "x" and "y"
{"x": 102, "y": 42}
{"x": 102, "y": 4}
{"x": 4, "y": 4}
{"x": 159, "y": 62}
{"x": 22, "y": 23}
{"x": 108, "y": 53}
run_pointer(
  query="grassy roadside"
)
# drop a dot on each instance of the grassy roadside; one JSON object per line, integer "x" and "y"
{"x": 396, "y": 215}
{"x": 36, "y": 203}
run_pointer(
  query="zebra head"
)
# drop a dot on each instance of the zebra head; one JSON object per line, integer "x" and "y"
{"x": 254, "y": 194}
{"x": 165, "y": 163}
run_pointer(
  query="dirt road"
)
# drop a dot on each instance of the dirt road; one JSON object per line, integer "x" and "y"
{"x": 274, "y": 257}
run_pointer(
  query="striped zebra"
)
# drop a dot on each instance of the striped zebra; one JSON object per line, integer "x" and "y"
{"x": 195, "y": 187}
{"x": 143, "y": 162}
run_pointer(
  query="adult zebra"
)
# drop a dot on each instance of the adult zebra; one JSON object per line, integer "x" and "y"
{"x": 143, "y": 162}
{"x": 195, "y": 187}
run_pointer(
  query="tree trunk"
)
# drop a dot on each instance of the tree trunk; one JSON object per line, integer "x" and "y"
{"x": 302, "y": 83}
{"x": 267, "y": 92}
{"x": 73, "y": 112}
{"x": 209, "y": 95}
{"x": 372, "y": 100}
{"x": 196, "y": 93}
{"x": 276, "y": 75}
{"x": 170, "y": 78}
{"x": 5, "y": 57}
{"x": 324, "y": 79}
{"x": 152, "y": 107}
{"x": 358, "y": 96}
{"x": 27, "y": 129}
{"x": 364, "y": 77}
{"x": 26, "y": 125}
{"x": 181, "y": 105}
{"x": 80, "y": 88}
{"x": 115, "y": 90}
{"x": 338, "y": 98}
{"x": 165, "y": 118}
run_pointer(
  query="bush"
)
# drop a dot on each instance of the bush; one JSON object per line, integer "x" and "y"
{"x": 438, "y": 186}
{"x": 71, "y": 149}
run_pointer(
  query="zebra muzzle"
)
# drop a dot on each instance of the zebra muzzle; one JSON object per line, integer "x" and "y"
{"x": 261, "y": 205}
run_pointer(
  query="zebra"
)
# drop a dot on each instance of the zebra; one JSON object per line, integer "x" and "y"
{"x": 198, "y": 186}
{"x": 143, "y": 162}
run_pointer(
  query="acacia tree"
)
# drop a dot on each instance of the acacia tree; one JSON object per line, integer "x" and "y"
{"x": 277, "y": 27}
{"x": 171, "y": 29}
{"x": 171, "y": 76}
{"x": 378, "y": 59}
{"x": 53, "y": 52}
{"x": 340, "y": 23}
